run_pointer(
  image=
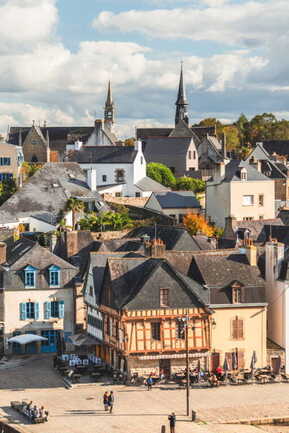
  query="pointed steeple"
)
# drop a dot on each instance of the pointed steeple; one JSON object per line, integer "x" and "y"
{"x": 109, "y": 109}
{"x": 181, "y": 102}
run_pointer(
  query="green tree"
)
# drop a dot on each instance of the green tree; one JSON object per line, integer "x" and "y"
{"x": 106, "y": 221}
{"x": 232, "y": 136}
{"x": 243, "y": 126}
{"x": 7, "y": 189}
{"x": 76, "y": 206}
{"x": 190, "y": 184}
{"x": 161, "y": 174}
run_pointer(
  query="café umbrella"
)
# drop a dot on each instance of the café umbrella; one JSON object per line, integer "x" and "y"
{"x": 253, "y": 360}
{"x": 26, "y": 339}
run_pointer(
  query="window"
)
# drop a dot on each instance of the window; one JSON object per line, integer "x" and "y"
{"x": 261, "y": 217}
{"x": 247, "y": 218}
{"x": 30, "y": 277}
{"x": 261, "y": 200}
{"x": 141, "y": 160}
{"x": 236, "y": 294}
{"x": 190, "y": 154}
{"x": 137, "y": 194}
{"x": 194, "y": 154}
{"x": 90, "y": 291}
{"x": 104, "y": 178}
{"x": 54, "y": 276}
{"x": 29, "y": 310}
{"x": 180, "y": 329}
{"x": 5, "y": 161}
{"x": 118, "y": 194}
{"x": 248, "y": 200}
{"x": 108, "y": 326}
{"x": 5, "y": 176}
{"x": 164, "y": 297}
{"x": 156, "y": 330}
{"x": 94, "y": 321}
{"x": 54, "y": 309}
{"x": 237, "y": 328}
{"x": 119, "y": 175}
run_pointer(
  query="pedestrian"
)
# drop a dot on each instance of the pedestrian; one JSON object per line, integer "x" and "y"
{"x": 105, "y": 401}
{"x": 110, "y": 401}
{"x": 172, "y": 420}
{"x": 149, "y": 383}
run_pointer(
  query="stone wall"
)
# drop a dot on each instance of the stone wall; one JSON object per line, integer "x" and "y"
{"x": 132, "y": 201}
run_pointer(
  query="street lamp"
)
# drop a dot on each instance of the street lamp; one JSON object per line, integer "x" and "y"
{"x": 185, "y": 322}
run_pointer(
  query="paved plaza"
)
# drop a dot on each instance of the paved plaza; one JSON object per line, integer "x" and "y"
{"x": 80, "y": 409}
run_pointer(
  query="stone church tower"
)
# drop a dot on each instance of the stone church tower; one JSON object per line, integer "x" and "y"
{"x": 181, "y": 103}
{"x": 109, "y": 110}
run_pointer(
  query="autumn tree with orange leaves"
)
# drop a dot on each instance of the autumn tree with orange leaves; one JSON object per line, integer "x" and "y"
{"x": 196, "y": 224}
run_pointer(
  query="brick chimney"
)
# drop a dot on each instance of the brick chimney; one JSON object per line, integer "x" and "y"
{"x": 3, "y": 253}
{"x": 154, "y": 248}
{"x": 71, "y": 243}
{"x": 251, "y": 253}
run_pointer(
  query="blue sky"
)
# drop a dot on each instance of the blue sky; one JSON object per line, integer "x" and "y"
{"x": 56, "y": 69}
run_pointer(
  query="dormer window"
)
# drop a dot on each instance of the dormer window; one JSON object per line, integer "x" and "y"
{"x": 243, "y": 174}
{"x": 30, "y": 277}
{"x": 236, "y": 293}
{"x": 54, "y": 276}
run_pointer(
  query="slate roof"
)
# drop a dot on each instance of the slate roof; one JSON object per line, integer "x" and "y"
{"x": 173, "y": 200}
{"x": 220, "y": 271}
{"x": 200, "y": 131}
{"x": 280, "y": 147}
{"x": 156, "y": 147}
{"x": 26, "y": 252}
{"x": 47, "y": 191}
{"x": 128, "y": 278}
{"x": 269, "y": 167}
{"x": 104, "y": 155}
{"x": 284, "y": 216}
{"x": 279, "y": 232}
{"x": 55, "y": 133}
{"x": 148, "y": 184}
{"x": 175, "y": 238}
{"x": 233, "y": 172}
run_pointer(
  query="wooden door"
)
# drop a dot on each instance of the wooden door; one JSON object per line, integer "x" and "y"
{"x": 215, "y": 361}
{"x": 276, "y": 364}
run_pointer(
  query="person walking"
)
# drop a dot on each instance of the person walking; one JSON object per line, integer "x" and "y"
{"x": 149, "y": 383}
{"x": 172, "y": 420}
{"x": 110, "y": 401}
{"x": 105, "y": 401}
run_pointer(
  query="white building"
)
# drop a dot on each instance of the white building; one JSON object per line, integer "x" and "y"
{"x": 117, "y": 170}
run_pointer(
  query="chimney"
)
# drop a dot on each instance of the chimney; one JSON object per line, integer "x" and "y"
{"x": 229, "y": 232}
{"x": 71, "y": 241}
{"x": 274, "y": 253}
{"x": 224, "y": 145}
{"x": 222, "y": 169}
{"x": 91, "y": 179}
{"x": 155, "y": 248}
{"x": 53, "y": 242}
{"x": 3, "y": 252}
{"x": 251, "y": 253}
{"x": 138, "y": 146}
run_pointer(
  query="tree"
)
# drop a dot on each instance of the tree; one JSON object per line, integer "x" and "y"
{"x": 76, "y": 206}
{"x": 161, "y": 174}
{"x": 7, "y": 189}
{"x": 30, "y": 169}
{"x": 243, "y": 126}
{"x": 106, "y": 221}
{"x": 232, "y": 137}
{"x": 196, "y": 224}
{"x": 129, "y": 141}
{"x": 190, "y": 184}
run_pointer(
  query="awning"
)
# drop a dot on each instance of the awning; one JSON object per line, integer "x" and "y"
{"x": 26, "y": 338}
{"x": 83, "y": 340}
{"x": 173, "y": 356}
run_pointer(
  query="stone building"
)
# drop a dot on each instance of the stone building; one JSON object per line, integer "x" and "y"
{"x": 11, "y": 159}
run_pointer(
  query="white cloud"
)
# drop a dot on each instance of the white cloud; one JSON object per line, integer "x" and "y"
{"x": 225, "y": 22}
{"x": 25, "y": 22}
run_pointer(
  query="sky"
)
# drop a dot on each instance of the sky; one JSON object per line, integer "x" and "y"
{"x": 56, "y": 57}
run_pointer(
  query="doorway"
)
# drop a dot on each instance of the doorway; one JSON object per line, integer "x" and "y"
{"x": 165, "y": 367}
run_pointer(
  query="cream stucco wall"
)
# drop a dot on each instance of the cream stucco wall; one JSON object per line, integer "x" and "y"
{"x": 226, "y": 199}
{"x": 264, "y": 187}
{"x": 12, "y": 300}
{"x": 254, "y": 333}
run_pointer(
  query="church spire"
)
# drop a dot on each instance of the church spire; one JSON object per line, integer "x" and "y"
{"x": 109, "y": 109}
{"x": 181, "y": 103}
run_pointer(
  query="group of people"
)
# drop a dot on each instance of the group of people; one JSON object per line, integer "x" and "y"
{"x": 108, "y": 401}
{"x": 33, "y": 412}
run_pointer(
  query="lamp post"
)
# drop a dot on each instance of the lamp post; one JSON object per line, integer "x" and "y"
{"x": 185, "y": 322}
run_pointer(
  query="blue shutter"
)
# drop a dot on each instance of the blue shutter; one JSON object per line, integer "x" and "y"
{"x": 61, "y": 309}
{"x": 47, "y": 310}
{"x": 23, "y": 311}
{"x": 36, "y": 311}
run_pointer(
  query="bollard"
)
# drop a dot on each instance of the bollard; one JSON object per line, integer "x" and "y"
{"x": 163, "y": 429}
{"x": 194, "y": 415}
